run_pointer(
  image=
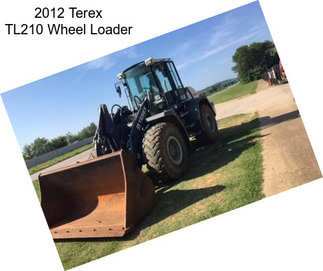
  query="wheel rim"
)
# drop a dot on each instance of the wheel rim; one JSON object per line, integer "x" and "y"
{"x": 174, "y": 150}
{"x": 210, "y": 123}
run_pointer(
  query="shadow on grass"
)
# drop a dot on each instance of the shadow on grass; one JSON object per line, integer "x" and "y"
{"x": 203, "y": 160}
{"x": 173, "y": 201}
{"x": 233, "y": 142}
{"x": 206, "y": 159}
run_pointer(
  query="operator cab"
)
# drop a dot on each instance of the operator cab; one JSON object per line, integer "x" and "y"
{"x": 156, "y": 79}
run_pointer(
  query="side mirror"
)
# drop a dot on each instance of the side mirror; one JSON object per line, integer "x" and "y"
{"x": 118, "y": 89}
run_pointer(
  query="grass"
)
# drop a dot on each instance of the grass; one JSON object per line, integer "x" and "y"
{"x": 60, "y": 158}
{"x": 234, "y": 92}
{"x": 36, "y": 186}
{"x": 228, "y": 175}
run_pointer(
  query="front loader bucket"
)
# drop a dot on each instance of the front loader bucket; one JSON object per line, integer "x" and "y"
{"x": 102, "y": 197}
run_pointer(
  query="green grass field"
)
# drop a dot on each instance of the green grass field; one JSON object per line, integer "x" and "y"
{"x": 227, "y": 175}
{"x": 60, "y": 158}
{"x": 234, "y": 92}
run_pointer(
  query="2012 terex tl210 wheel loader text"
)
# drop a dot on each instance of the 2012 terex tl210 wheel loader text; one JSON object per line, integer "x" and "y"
{"x": 106, "y": 196}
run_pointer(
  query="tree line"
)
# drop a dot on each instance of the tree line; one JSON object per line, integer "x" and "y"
{"x": 218, "y": 86}
{"x": 253, "y": 60}
{"x": 43, "y": 145}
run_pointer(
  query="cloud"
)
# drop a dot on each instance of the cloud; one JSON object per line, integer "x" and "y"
{"x": 130, "y": 52}
{"x": 104, "y": 63}
{"x": 223, "y": 36}
{"x": 220, "y": 34}
{"x": 210, "y": 52}
{"x": 223, "y": 31}
{"x": 107, "y": 62}
{"x": 257, "y": 28}
{"x": 182, "y": 48}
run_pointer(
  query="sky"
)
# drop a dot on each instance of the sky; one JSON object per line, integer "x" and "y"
{"x": 68, "y": 101}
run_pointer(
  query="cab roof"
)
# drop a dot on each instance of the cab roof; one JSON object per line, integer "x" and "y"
{"x": 148, "y": 60}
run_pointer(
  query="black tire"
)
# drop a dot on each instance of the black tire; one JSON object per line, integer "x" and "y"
{"x": 165, "y": 151}
{"x": 210, "y": 126}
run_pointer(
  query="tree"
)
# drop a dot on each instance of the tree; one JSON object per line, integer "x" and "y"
{"x": 253, "y": 60}
{"x": 27, "y": 152}
{"x": 40, "y": 146}
{"x": 88, "y": 131}
{"x": 71, "y": 138}
{"x": 58, "y": 142}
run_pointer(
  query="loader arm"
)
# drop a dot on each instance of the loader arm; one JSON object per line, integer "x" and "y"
{"x": 106, "y": 137}
{"x": 138, "y": 130}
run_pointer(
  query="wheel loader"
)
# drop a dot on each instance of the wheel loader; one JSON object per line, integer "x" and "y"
{"x": 108, "y": 195}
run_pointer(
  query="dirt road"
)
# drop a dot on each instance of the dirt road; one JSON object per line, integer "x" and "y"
{"x": 289, "y": 160}
{"x": 77, "y": 158}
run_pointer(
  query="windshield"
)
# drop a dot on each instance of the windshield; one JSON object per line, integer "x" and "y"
{"x": 140, "y": 80}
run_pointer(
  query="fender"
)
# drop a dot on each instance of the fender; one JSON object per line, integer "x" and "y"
{"x": 170, "y": 116}
{"x": 205, "y": 100}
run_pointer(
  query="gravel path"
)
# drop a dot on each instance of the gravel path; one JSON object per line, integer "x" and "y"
{"x": 289, "y": 160}
{"x": 72, "y": 160}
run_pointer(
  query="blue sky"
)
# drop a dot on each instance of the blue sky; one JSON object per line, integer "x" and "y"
{"x": 68, "y": 101}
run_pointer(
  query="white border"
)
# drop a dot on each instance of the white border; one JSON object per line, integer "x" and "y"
{"x": 283, "y": 232}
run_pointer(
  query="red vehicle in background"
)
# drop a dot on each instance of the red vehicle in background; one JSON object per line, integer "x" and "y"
{"x": 282, "y": 72}
{"x": 275, "y": 75}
